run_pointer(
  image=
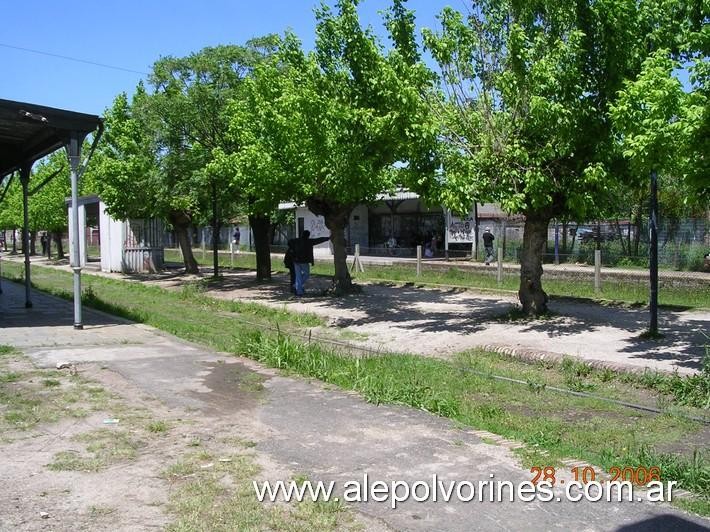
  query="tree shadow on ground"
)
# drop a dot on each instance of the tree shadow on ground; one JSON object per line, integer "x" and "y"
{"x": 465, "y": 313}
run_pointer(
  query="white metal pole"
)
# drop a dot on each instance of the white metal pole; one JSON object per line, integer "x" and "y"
{"x": 597, "y": 270}
{"x": 419, "y": 260}
{"x": 74, "y": 149}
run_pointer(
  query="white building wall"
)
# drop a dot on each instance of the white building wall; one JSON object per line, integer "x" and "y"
{"x": 316, "y": 225}
{"x": 111, "y": 241}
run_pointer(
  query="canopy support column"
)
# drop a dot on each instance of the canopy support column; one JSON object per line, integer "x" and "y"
{"x": 25, "y": 180}
{"x": 74, "y": 154}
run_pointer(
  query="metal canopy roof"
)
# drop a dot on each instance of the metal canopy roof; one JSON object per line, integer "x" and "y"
{"x": 28, "y": 132}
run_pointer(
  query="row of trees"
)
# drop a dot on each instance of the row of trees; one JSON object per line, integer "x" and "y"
{"x": 551, "y": 108}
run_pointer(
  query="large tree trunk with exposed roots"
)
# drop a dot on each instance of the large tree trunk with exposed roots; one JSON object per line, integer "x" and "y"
{"x": 532, "y": 297}
{"x": 336, "y": 220}
{"x": 261, "y": 227}
{"x": 342, "y": 282}
{"x": 181, "y": 223}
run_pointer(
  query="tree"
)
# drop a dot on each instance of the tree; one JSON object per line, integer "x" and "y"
{"x": 326, "y": 128}
{"x": 524, "y": 109}
{"x": 135, "y": 179}
{"x": 190, "y": 103}
{"x": 49, "y": 187}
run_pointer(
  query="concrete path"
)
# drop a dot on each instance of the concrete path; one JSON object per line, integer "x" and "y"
{"x": 310, "y": 429}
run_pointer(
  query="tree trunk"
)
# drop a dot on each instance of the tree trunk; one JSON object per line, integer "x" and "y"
{"x": 336, "y": 222}
{"x": 60, "y": 248}
{"x": 14, "y": 242}
{"x": 532, "y": 296}
{"x": 33, "y": 242}
{"x": 260, "y": 227}
{"x": 181, "y": 223}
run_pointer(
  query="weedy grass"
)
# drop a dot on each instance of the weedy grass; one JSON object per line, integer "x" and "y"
{"x": 104, "y": 447}
{"x": 30, "y": 396}
{"x": 208, "y": 494}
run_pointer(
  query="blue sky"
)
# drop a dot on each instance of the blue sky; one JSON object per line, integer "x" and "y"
{"x": 133, "y": 34}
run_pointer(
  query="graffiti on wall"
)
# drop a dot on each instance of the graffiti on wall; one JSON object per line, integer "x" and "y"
{"x": 317, "y": 227}
{"x": 461, "y": 229}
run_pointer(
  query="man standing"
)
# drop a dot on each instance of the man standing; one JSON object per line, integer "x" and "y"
{"x": 488, "y": 239}
{"x": 303, "y": 258}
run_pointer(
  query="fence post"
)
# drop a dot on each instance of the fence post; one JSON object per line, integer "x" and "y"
{"x": 419, "y": 260}
{"x": 597, "y": 270}
{"x": 357, "y": 263}
{"x": 203, "y": 243}
{"x": 499, "y": 274}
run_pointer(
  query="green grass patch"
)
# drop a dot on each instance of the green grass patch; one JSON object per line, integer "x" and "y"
{"x": 157, "y": 427}
{"x": 103, "y": 448}
{"x": 207, "y": 494}
{"x": 29, "y": 396}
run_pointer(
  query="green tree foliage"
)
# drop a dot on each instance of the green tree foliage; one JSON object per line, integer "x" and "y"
{"x": 325, "y": 128}
{"x": 157, "y": 146}
{"x": 527, "y": 88}
{"x": 190, "y": 104}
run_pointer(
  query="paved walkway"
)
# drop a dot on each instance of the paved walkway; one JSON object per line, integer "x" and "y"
{"x": 307, "y": 428}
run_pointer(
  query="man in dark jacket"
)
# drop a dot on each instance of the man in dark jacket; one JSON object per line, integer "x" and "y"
{"x": 488, "y": 239}
{"x": 303, "y": 258}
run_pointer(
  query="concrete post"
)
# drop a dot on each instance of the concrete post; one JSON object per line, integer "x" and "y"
{"x": 499, "y": 273}
{"x": 597, "y": 270}
{"x": 74, "y": 153}
{"x": 419, "y": 260}
{"x": 357, "y": 263}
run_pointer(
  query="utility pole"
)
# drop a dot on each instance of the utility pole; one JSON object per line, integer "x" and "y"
{"x": 653, "y": 254}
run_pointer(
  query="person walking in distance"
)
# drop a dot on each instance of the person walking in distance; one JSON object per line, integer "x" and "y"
{"x": 43, "y": 241}
{"x": 488, "y": 239}
{"x": 303, "y": 258}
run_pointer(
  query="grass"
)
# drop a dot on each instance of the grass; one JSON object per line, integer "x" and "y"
{"x": 103, "y": 447}
{"x": 208, "y": 494}
{"x": 552, "y": 426}
{"x": 631, "y": 291}
{"x": 29, "y": 396}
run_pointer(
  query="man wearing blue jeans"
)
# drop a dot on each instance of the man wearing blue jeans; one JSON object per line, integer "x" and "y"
{"x": 303, "y": 258}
